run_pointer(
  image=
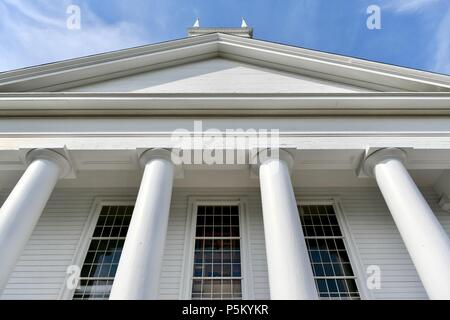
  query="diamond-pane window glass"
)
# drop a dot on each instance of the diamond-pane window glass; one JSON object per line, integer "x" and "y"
{"x": 331, "y": 266}
{"x": 102, "y": 258}
{"x": 217, "y": 253}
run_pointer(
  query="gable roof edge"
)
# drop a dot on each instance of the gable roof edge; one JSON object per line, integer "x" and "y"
{"x": 100, "y": 67}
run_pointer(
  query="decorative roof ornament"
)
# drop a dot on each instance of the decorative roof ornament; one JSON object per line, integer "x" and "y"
{"x": 244, "y": 24}
{"x": 243, "y": 31}
{"x": 196, "y": 23}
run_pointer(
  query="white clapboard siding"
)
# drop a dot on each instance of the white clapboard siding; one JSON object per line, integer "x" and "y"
{"x": 40, "y": 272}
{"x": 377, "y": 240}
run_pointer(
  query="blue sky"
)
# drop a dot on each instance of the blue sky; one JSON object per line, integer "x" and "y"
{"x": 414, "y": 33}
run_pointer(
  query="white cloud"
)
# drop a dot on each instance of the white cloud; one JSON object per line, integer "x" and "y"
{"x": 437, "y": 19}
{"x": 441, "y": 61}
{"x": 35, "y": 33}
{"x": 404, "y": 6}
{"x": 33, "y": 14}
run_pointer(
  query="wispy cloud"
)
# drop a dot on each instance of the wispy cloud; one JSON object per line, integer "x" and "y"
{"x": 35, "y": 32}
{"x": 33, "y": 14}
{"x": 434, "y": 16}
{"x": 441, "y": 60}
{"x": 404, "y": 6}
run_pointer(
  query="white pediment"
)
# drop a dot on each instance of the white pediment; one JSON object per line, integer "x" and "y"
{"x": 218, "y": 75}
{"x": 220, "y": 63}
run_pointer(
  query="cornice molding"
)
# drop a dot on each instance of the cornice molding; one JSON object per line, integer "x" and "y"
{"x": 137, "y": 104}
{"x": 125, "y": 157}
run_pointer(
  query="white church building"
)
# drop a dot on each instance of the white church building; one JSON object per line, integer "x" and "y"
{"x": 219, "y": 166}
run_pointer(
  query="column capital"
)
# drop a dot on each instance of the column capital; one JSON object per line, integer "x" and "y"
{"x": 381, "y": 155}
{"x": 275, "y": 154}
{"x": 156, "y": 153}
{"x": 147, "y": 155}
{"x": 51, "y": 155}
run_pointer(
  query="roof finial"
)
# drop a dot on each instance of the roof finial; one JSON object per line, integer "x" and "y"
{"x": 244, "y": 24}
{"x": 196, "y": 23}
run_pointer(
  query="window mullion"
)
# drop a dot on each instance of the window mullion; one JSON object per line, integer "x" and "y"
{"x": 326, "y": 248}
{"x": 217, "y": 239}
{"x": 100, "y": 265}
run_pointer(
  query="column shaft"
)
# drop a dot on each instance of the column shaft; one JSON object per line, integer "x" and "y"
{"x": 21, "y": 211}
{"x": 139, "y": 268}
{"x": 290, "y": 272}
{"x": 426, "y": 241}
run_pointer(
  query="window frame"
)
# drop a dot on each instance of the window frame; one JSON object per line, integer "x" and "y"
{"x": 188, "y": 258}
{"x": 349, "y": 243}
{"x": 87, "y": 235}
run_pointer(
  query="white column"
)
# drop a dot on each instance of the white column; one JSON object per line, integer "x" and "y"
{"x": 289, "y": 267}
{"x": 426, "y": 241}
{"x": 139, "y": 268}
{"x": 23, "y": 207}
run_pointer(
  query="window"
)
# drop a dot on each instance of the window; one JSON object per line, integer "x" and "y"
{"x": 217, "y": 253}
{"x": 102, "y": 259}
{"x": 330, "y": 263}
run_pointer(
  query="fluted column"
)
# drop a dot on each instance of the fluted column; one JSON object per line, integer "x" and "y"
{"x": 23, "y": 207}
{"x": 425, "y": 239}
{"x": 139, "y": 267}
{"x": 289, "y": 267}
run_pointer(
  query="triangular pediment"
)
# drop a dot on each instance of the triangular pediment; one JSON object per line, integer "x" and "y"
{"x": 218, "y": 75}
{"x": 220, "y": 63}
